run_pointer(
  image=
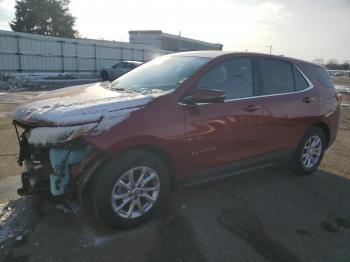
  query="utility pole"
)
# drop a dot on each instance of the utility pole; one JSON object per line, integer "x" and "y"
{"x": 269, "y": 46}
{"x": 179, "y": 41}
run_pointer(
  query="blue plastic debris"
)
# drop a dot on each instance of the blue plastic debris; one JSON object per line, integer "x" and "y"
{"x": 60, "y": 159}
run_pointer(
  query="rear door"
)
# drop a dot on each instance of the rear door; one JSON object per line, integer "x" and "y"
{"x": 289, "y": 101}
{"x": 221, "y": 133}
{"x": 328, "y": 98}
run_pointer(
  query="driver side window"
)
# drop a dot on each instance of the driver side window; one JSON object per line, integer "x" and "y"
{"x": 234, "y": 77}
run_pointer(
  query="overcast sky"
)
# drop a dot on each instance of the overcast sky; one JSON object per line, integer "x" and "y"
{"x": 302, "y": 29}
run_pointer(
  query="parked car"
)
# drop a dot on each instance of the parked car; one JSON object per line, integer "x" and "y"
{"x": 179, "y": 119}
{"x": 337, "y": 73}
{"x": 117, "y": 70}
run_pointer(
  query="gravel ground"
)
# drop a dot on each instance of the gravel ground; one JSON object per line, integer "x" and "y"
{"x": 267, "y": 215}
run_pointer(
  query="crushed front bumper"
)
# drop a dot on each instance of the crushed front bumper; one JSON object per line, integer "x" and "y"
{"x": 54, "y": 170}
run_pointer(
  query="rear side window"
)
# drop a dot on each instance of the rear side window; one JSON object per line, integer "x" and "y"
{"x": 321, "y": 74}
{"x": 299, "y": 80}
{"x": 277, "y": 77}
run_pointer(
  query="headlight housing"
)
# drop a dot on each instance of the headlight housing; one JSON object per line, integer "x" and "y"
{"x": 44, "y": 136}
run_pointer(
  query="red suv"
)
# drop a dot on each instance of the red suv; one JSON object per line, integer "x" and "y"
{"x": 181, "y": 118}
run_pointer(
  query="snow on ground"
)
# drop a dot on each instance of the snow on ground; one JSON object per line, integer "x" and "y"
{"x": 15, "y": 81}
{"x": 343, "y": 89}
{"x": 51, "y": 75}
{"x": 16, "y": 222}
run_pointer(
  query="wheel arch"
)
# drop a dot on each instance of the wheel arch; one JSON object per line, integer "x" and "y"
{"x": 326, "y": 130}
{"x": 89, "y": 175}
{"x": 161, "y": 153}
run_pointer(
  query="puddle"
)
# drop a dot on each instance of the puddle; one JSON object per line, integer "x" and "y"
{"x": 330, "y": 227}
{"x": 243, "y": 223}
{"x": 301, "y": 231}
{"x": 341, "y": 222}
{"x": 11, "y": 258}
{"x": 176, "y": 238}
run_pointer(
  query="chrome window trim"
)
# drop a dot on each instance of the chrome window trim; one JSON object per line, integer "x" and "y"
{"x": 259, "y": 96}
{"x": 306, "y": 78}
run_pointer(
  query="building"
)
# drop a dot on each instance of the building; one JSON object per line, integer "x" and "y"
{"x": 173, "y": 43}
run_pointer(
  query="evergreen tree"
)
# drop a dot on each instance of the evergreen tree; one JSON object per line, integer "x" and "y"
{"x": 45, "y": 17}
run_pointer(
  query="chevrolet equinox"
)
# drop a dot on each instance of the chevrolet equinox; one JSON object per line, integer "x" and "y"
{"x": 183, "y": 118}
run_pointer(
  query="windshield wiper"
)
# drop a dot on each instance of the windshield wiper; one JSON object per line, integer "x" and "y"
{"x": 123, "y": 89}
{"x": 118, "y": 88}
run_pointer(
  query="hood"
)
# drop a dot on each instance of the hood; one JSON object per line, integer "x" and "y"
{"x": 79, "y": 105}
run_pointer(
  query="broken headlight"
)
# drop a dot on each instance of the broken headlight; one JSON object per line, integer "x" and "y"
{"x": 43, "y": 136}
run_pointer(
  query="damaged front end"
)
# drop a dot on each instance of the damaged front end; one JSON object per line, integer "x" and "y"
{"x": 54, "y": 167}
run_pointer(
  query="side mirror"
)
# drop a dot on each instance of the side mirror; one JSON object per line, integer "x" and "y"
{"x": 204, "y": 95}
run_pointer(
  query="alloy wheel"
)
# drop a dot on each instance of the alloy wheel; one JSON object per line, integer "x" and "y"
{"x": 312, "y": 151}
{"x": 135, "y": 192}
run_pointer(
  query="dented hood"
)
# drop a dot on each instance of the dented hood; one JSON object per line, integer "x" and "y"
{"x": 78, "y": 105}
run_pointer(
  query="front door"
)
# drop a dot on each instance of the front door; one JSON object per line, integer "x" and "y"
{"x": 221, "y": 133}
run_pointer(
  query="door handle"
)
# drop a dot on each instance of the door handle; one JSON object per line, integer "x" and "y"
{"x": 308, "y": 99}
{"x": 252, "y": 108}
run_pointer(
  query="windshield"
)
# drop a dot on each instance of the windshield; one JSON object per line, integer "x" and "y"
{"x": 161, "y": 74}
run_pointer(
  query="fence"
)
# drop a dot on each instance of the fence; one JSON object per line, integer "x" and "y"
{"x": 22, "y": 52}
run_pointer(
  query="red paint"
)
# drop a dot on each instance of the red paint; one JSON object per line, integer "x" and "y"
{"x": 203, "y": 136}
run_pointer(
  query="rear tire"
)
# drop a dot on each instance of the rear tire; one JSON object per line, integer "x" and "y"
{"x": 309, "y": 152}
{"x": 104, "y": 76}
{"x": 120, "y": 198}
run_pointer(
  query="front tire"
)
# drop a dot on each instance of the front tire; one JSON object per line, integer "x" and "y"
{"x": 309, "y": 152}
{"x": 129, "y": 189}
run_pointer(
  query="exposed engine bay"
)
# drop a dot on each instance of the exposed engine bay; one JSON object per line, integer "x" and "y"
{"x": 53, "y": 170}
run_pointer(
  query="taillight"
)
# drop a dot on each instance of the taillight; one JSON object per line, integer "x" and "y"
{"x": 339, "y": 97}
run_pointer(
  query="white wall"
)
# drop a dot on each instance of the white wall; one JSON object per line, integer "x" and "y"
{"x": 22, "y": 52}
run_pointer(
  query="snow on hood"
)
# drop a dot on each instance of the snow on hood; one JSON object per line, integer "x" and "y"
{"x": 77, "y": 106}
